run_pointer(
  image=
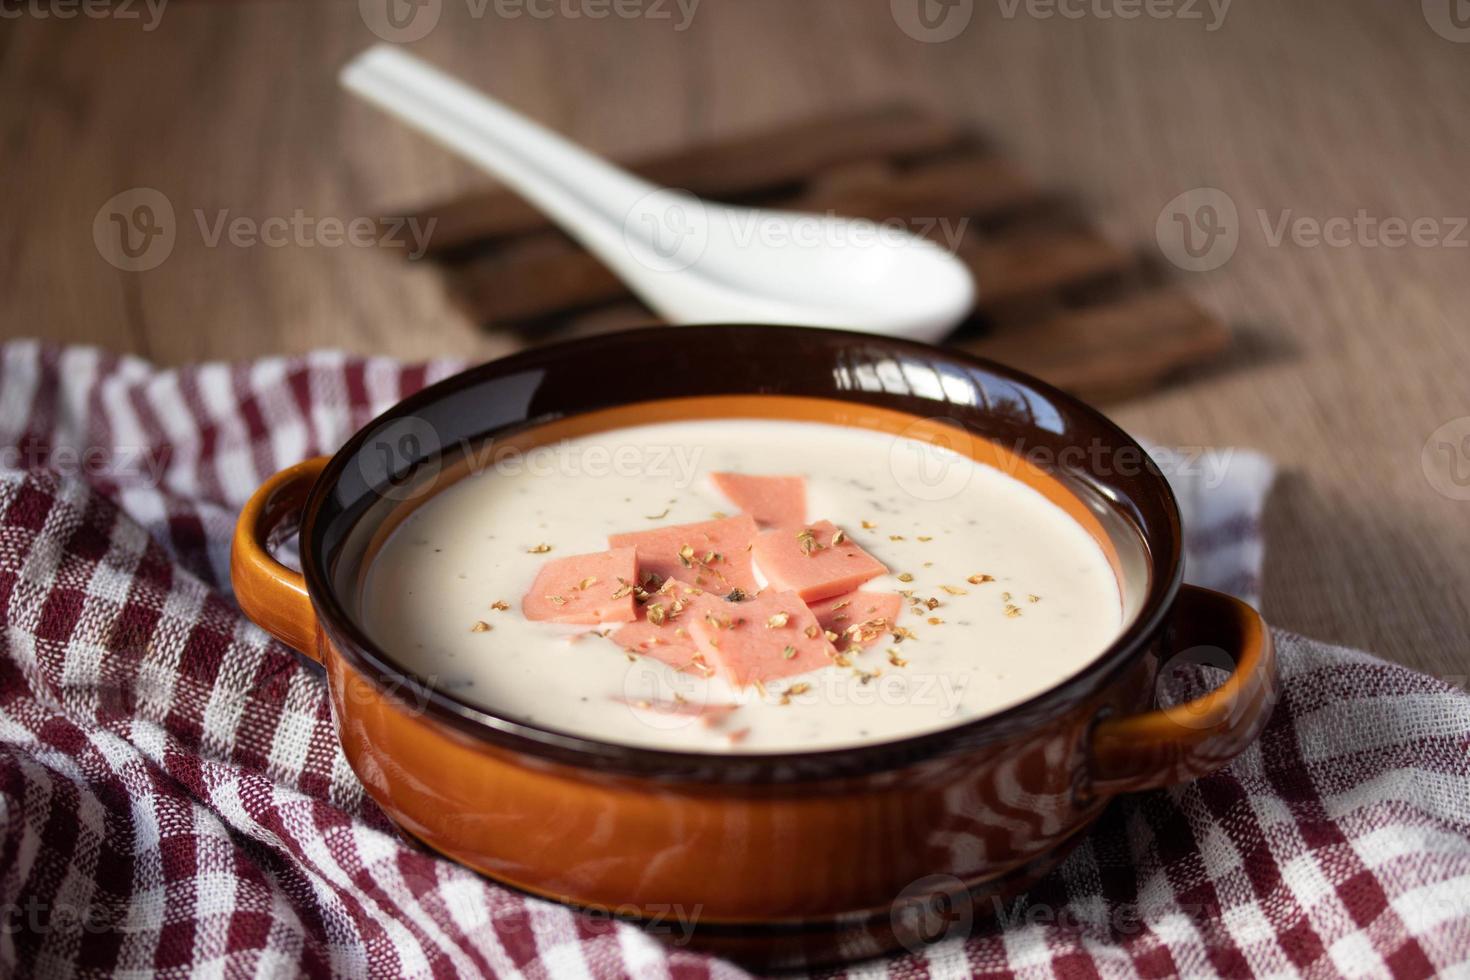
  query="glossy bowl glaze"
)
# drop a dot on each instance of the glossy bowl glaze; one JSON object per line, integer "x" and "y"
{"x": 786, "y": 859}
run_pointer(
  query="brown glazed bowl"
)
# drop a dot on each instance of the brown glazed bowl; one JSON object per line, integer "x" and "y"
{"x": 784, "y": 859}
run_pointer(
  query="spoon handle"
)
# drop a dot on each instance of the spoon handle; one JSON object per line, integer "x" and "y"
{"x": 588, "y": 197}
{"x": 688, "y": 261}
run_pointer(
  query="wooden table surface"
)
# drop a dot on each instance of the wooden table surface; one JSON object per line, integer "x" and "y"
{"x": 1351, "y": 354}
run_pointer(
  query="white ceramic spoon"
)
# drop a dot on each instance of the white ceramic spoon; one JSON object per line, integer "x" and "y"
{"x": 690, "y": 260}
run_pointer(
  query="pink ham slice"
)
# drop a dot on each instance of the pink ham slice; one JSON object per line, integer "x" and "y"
{"x": 668, "y": 641}
{"x": 774, "y": 501}
{"x": 585, "y": 589}
{"x": 770, "y": 636}
{"x": 817, "y": 569}
{"x": 716, "y": 553}
{"x": 841, "y": 613}
{"x": 709, "y": 714}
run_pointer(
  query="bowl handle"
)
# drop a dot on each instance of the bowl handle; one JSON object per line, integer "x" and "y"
{"x": 272, "y": 595}
{"x": 1185, "y": 741}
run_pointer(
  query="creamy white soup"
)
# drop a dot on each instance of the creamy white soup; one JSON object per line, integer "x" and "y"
{"x": 973, "y": 591}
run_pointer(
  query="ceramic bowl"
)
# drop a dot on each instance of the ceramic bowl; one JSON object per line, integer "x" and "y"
{"x": 784, "y": 859}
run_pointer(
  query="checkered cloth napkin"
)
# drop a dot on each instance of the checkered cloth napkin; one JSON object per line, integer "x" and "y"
{"x": 173, "y": 801}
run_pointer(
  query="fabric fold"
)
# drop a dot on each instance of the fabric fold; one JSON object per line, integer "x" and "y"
{"x": 173, "y": 798}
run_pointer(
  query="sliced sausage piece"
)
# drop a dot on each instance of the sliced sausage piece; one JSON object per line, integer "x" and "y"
{"x": 815, "y": 561}
{"x": 774, "y": 501}
{"x": 714, "y": 555}
{"x": 585, "y": 589}
{"x": 770, "y": 636}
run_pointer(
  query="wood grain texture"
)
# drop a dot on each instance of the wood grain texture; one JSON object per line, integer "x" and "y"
{"x": 729, "y": 169}
{"x": 1054, "y": 297}
{"x": 890, "y": 163}
{"x": 1110, "y": 350}
{"x": 1315, "y": 108}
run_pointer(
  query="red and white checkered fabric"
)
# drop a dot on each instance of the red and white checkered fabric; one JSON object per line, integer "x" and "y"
{"x": 173, "y": 801}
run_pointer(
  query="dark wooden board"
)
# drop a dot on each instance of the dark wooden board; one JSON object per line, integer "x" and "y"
{"x": 1056, "y": 298}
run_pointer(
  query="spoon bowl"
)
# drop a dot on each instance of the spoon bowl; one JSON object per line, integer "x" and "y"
{"x": 691, "y": 261}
